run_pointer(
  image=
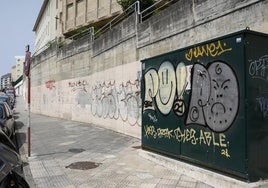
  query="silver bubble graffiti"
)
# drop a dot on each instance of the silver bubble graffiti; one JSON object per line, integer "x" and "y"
{"x": 106, "y": 100}
{"x": 215, "y": 96}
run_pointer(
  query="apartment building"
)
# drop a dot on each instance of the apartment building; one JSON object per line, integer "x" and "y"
{"x": 46, "y": 27}
{"x": 6, "y": 81}
{"x": 17, "y": 69}
{"x": 61, "y": 18}
{"x": 79, "y": 13}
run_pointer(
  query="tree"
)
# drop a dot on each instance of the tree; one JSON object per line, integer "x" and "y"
{"x": 143, "y": 3}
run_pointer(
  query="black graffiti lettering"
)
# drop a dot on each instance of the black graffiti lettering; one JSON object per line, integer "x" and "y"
{"x": 179, "y": 107}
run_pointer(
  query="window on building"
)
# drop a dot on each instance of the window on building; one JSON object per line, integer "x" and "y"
{"x": 56, "y": 23}
{"x": 80, "y": 7}
{"x": 69, "y": 12}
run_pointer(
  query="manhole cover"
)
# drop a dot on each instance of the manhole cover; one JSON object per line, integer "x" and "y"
{"x": 83, "y": 165}
{"x": 76, "y": 150}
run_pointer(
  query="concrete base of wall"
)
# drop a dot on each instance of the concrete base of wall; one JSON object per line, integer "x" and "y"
{"x": 200, "y": 174}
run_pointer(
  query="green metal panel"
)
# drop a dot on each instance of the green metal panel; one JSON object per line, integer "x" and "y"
{"x": 194, "y": 104}
{"x": 257, "y": 113}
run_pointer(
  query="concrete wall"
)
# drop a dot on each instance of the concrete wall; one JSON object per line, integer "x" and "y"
{"x": 97, "y": 81}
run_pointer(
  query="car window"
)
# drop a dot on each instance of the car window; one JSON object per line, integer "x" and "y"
{"x": 2, "y": 112}
{"x": 8, "y": 110}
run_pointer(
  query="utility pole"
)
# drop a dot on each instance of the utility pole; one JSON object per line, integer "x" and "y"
{"x": 27, "y": 67}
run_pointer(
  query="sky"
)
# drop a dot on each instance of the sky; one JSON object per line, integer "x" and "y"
{"x": 17, "y": 19}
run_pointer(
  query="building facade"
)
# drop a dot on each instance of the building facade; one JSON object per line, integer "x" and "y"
{"x": 46, "y": 26}
{"x": 6, "y": 81}
{"x": 17, "y": 74}
{"x": 17, "y": 69}
{"x": 61, "y": 18}
{"x": 79, "y": 13}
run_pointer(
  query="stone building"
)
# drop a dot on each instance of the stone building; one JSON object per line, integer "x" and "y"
{"x": 17, "y": 69}
{"x": 63, "y": 18}
{"x": 5, "y": 81}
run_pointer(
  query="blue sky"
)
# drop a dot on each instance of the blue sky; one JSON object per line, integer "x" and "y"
{"x": 17, "y": 19}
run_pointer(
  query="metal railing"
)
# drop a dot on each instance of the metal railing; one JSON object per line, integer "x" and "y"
{"x": 134, "y": 8}
{"x": 46, "y": 46}
{"x": 153, "y": 9}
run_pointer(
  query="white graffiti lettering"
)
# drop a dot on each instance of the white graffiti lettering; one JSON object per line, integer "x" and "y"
{"x": 263, "y": 106}
{"x": 258, "y": 69}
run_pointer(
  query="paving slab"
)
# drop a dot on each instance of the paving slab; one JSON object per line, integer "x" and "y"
{"x": 75, "y": 155}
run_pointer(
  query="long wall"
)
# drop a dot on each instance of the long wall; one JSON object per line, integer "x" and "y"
{"x": 99, "y": 81}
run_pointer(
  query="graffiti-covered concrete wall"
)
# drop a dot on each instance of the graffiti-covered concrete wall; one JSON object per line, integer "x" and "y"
{"x": 97, "y": 81}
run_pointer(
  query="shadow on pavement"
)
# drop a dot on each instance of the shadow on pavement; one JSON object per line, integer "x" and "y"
{"x": 21, "y": 139}
{"x": 19, "y": 124}
{"x": 20, "y": 136}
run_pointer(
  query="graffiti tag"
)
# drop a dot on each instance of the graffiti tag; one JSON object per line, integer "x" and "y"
{"x": 263, "y": 106}
{"x": 207, "y": 138}
{"x": 123, "y": 101}
{"x": 152, "y": 118}
{"x": 50, "y": 84}
{"x": 258, "y": 69}
{"x": 211, "y": 49}
{"x": 78, "y": 85}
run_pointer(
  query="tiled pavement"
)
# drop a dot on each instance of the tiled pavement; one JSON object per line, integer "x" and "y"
{"x": 60, "y": 149}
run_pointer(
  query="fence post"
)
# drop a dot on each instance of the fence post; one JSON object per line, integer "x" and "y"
{"x": 137, "y": 10}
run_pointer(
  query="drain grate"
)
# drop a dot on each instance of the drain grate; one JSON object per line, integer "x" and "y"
{"x": 83, "y": 165}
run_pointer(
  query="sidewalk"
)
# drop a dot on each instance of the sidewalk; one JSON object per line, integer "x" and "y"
{"x": 67, "y": 154}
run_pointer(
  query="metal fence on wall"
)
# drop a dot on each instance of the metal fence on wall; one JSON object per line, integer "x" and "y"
{"x": 92, "y": 33}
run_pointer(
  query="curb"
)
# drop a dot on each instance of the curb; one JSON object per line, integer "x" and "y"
{"x": 26, "y": 165}
{"x": 200, "y": 174}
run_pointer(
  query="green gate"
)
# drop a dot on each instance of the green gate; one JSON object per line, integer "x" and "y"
{"x": 208, "y": 104}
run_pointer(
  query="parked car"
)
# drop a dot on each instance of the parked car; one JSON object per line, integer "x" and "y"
{"x": 6, "y": 98}
{"x": 7, "y": 121}
{"x": 11, "y": 173}
{"x": 12, "y": 97}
